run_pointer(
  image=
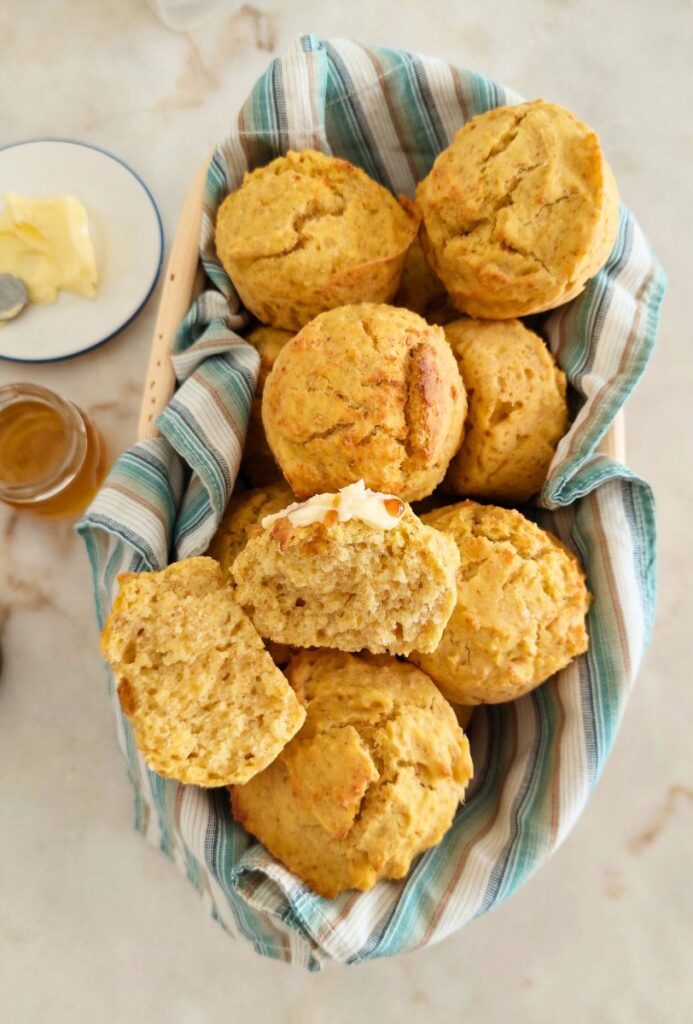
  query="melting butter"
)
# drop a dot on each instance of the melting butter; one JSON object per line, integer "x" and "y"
{"x": 356, "y": 501}
{"x": 44, "y": 240}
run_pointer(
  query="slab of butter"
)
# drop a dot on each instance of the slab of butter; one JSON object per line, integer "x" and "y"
{"x": 44, "y": 240}
{"x": 356, "y": 501}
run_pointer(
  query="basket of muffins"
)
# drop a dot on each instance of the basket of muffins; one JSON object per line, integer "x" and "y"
{"x": 373, "y": 579}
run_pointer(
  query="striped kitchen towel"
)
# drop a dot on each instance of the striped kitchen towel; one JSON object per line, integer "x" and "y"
{"x": 536, "y": 759}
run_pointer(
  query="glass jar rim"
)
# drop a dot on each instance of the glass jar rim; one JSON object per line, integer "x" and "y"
{"x": 65, "y": 470}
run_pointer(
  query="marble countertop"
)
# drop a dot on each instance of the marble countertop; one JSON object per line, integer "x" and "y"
{"x": 95, "y": 925}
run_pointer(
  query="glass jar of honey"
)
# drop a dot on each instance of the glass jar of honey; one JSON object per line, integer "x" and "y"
{"x": 52, "y": 458}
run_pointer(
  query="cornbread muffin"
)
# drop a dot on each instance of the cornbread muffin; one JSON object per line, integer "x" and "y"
{"x": 521, "y": 606}
{"x": 519, "y": 212}
{"x": 258, "y": 464}
{"x": 371, "y": 781}
{"x": 309, "y": 232}
{"x": 366, "y": 392}
{"x": 206, "y": 702}
{"x": 517, "y": 410}
{"x": 243, "y": 514}
{"x": 421, "y": 291}
{"x": 351, "y": 571}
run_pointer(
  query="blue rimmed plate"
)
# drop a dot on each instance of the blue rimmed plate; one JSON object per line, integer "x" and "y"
{"x": 125, "y": 227}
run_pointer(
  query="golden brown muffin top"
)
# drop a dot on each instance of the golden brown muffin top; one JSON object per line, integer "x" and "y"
{"x": 517, "y": 410}
{"x": 521, "y": 606}
{"x": 519, "y": 210}
{"x": 371, "y": 780}
{"x": 367, "y": 392}
{"x": 304, "y": 201}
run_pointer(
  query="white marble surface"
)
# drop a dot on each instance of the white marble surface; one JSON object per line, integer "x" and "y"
{"x": 95, "y": 925}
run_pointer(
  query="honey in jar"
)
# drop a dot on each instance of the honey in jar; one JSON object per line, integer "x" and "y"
{"x": 52, "y": 458}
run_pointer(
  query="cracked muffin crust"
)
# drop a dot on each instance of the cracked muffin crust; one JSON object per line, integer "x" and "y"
{"x": 206, "y": 702}
{"x": 521, "y": 606}
{"x": 519, "y": 212}
{"x": 348, "y": 584}
{"x": 258, "y": 464}
{"x": 309, "y": 232}
{"x": 366, "y": 392}
{"x": 372, "y": 780}
{"x": 517, "y": 410}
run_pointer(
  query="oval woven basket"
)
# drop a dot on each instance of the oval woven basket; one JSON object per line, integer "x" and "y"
{"x": 536, "y": 759}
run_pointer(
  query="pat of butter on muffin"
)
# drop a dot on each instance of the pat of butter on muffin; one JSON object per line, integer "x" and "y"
{"x": 355, "y": 501}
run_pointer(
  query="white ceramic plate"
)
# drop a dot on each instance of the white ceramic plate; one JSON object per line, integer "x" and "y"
{"x": 125, "y": 228}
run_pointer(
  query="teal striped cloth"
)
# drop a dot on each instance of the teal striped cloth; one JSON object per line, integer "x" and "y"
{"x": 536, "y": 759}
